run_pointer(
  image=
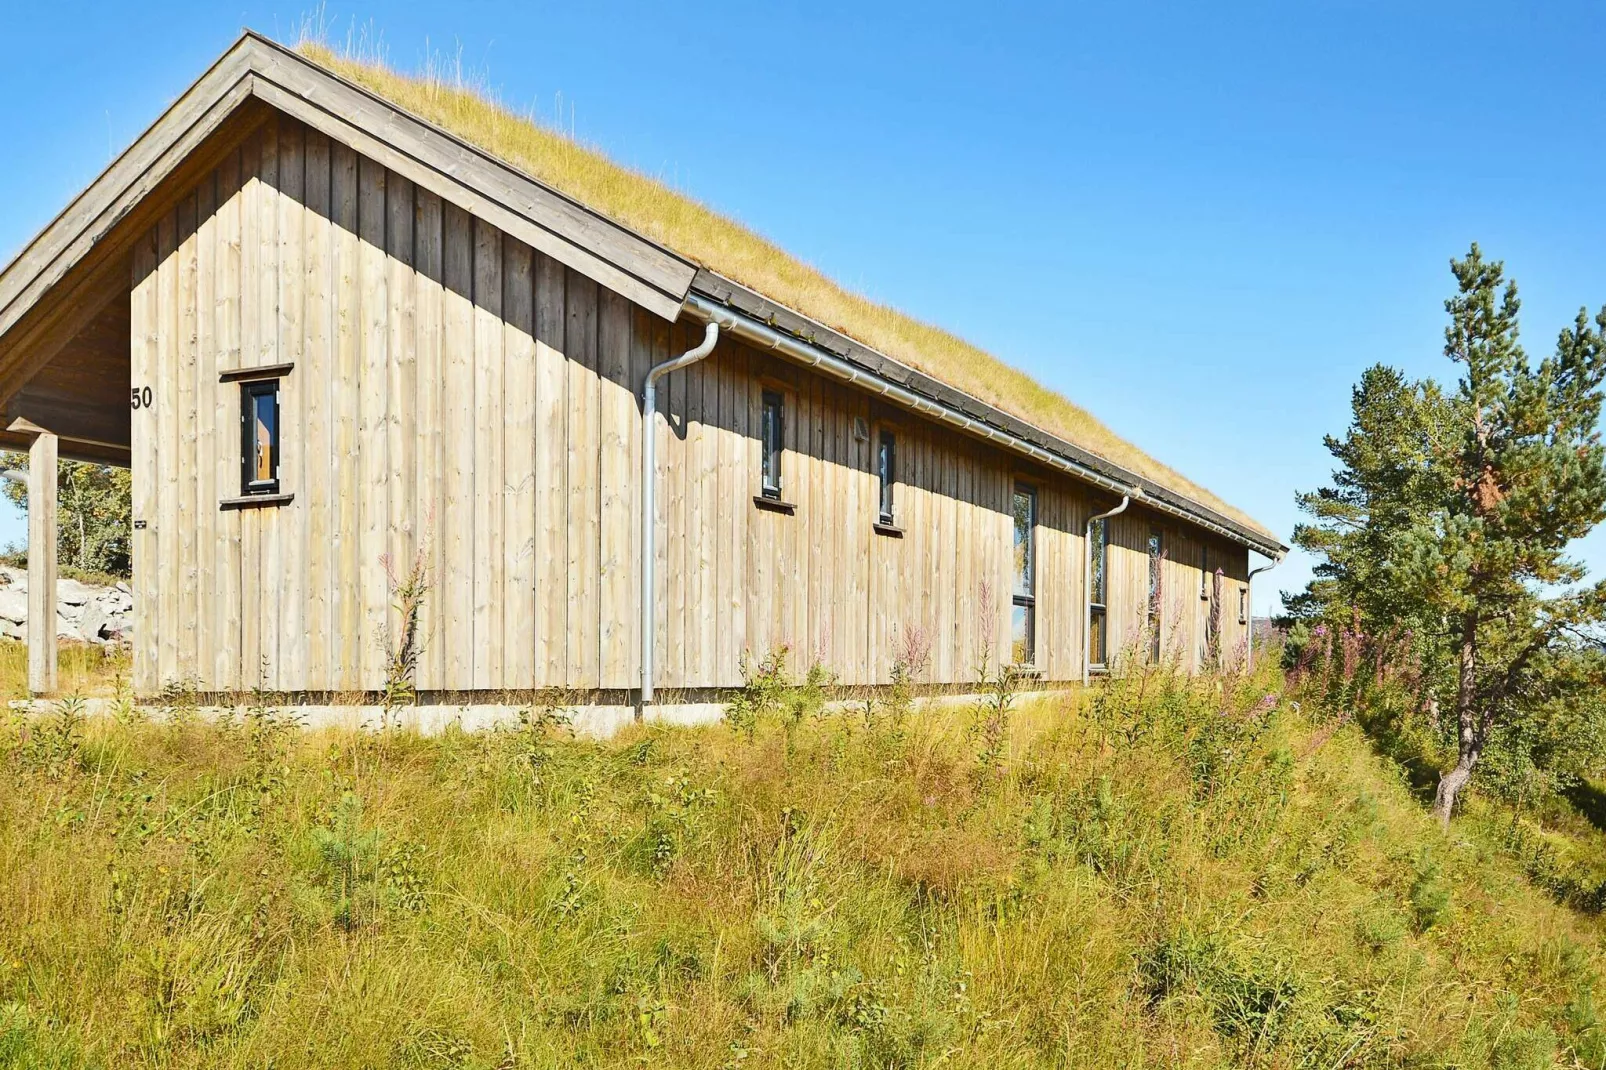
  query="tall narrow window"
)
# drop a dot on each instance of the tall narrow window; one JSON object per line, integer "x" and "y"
{"x": 259, "y": 437}
{"x": 887, "y": 472}
{"x": 772, "y": 432}
{"x": 1097, "y": 639}
{"x": 1243, "y": 606}
{"x": 1204, "y": 572}
{"x": 1023, "y": 615}
{"x": 1156, "y": 593}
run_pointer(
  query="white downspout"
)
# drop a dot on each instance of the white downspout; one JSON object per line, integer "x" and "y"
{"x": 1249, "y": 596}
{"x": 649, "y": 483}
{"x": 1087, "y": 582}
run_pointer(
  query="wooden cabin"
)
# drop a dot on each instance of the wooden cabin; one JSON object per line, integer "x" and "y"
{"x": 333, "y": 341}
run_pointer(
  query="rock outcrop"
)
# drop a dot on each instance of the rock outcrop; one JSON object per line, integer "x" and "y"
{"x": 84, "y": 611}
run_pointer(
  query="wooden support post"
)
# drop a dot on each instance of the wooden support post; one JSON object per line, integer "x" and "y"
{"x": 41, "y": 557}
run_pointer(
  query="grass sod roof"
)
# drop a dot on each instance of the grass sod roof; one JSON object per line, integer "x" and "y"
{"x": 678, "y": 222}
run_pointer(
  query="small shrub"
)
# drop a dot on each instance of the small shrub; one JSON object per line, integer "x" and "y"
{"x": 763, "y": 693}
{"x": 1517, "y": 1048}
{"x": 350, "y": 856}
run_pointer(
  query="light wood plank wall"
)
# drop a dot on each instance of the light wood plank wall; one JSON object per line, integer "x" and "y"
{"x": 461, "y": 398}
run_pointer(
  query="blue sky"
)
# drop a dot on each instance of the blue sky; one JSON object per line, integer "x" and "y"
{"x": 1199, "y": 225}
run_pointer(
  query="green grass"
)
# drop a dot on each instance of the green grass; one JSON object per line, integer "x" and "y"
{"x": 1175, "y": 873}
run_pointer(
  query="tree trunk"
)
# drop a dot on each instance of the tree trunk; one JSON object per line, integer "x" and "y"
{"x": 1450, "y": 785}
{"x": 1469, "y": 741}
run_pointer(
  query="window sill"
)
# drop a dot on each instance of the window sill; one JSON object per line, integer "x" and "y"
{"x": 892, "y": 531}
{"x": 256, "y": 501}
{"x": 774, "y": 505}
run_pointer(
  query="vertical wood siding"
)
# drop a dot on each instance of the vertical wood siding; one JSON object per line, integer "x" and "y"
{"x": 460, "y": 399}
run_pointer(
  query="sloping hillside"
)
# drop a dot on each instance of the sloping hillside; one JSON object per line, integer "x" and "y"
{"x": 1173, "y": 874}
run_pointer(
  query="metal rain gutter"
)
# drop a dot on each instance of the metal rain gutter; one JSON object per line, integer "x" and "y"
{"x": 801, "y": 352}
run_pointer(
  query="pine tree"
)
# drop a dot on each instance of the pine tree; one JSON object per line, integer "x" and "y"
{"x": 1526, "y": 476}
{"x": 1451, "y": 513}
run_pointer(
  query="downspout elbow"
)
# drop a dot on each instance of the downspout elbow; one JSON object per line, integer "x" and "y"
{"x": 649, "y": 481}
{"x": 1249, "y": 597}
{"x": 1087, "y": 579}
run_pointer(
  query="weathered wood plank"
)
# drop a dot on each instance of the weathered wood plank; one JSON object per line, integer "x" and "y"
{"x": 580, "y": 343}
{"x": 551, "y": 473}
{"x": 264, "y": 562}
{"x": 488, "y": 557}
{"x": 401, "y": 388}
{"x": 373, "y": 340}
{"x": 207, "y": 439}
{"x": 428, "y": 429}
{"x": 519, "y": 608}
{"x": 653, "y": 333}
{"x": 184, "y": 626}
{"x": 316, "y": 373}
{"x": 346, "y": 523}
{"x": 727, "y": 584}
{"x": 143, "y": 327}
{"x": 226, "y": 667}
{"x": 674, "y": 491}
{"x": 458, "y": 439}
{"x": 286, "y": 549}
{"x": 169, "y": 464}
{"x": 618, "y": 465}
{"x": 700, "y": 519}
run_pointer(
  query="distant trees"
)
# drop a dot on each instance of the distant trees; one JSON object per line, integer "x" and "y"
{"x": 94, "y": 510}
{"x": 1448, "y": 520}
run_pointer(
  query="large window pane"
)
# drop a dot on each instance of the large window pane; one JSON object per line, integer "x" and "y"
{"x": 887, "y": 472}
{"x": 1020, "y": 632}
{"x": 1100, "y": 551}
{"x": 1023, "y": 620}
{"x": 1156, "y": 593}
{"x": 1025, "y": 510}
{"x": 259, "y": 437}
{"x": 771, "y": 431}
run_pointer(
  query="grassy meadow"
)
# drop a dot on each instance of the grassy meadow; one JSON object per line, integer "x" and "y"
{"x": 1168, "y": 872}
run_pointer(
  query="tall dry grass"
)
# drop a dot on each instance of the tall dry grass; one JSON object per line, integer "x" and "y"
{"x": 1167, "y": 871}
{"x": 443, "y": 95}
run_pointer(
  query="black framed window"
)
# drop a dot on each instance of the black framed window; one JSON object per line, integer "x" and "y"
{"x": 772, "y": 436}
{"x": 1023, "y": 614}
{"x": 1156, "y": 592}
{"x": 1204, "y": 573}
{"x": 1098, "y": 583}
{"x": 1243, "y": 606}
{"x": 259, "y": 437}
{"x": 887, "y": 472}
